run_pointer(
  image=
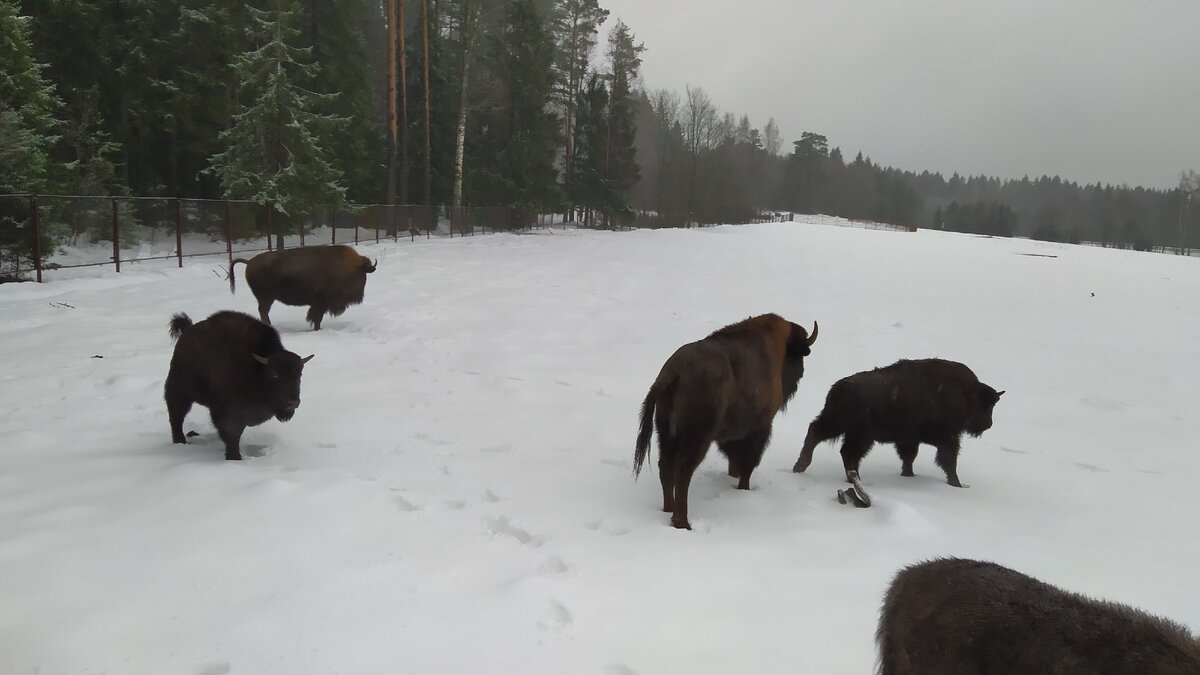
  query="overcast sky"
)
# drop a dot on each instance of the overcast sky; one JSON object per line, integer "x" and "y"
{"x": 1091, "y": 91}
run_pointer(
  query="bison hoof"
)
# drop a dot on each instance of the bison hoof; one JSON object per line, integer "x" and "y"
{"x": 907, "y": 473}
{"x": 799, "y": 468}
{"x": 193, "y": 434}
{"x": 680, "y": 524}
{"x": 956, "y": 483}
{"x": 233, "y": 456}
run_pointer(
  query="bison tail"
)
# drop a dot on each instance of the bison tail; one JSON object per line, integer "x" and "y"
{"x": 179, "y": 323}
{"x": 646, "y": 427}
{"x": 232, "y": 276}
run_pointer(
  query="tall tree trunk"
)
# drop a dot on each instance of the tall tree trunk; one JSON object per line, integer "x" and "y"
{"x": 425, "y": 64}
{"x": 403, "y": 71}
{"x": 460, "y": 134}
{"x": 392, "y": 102}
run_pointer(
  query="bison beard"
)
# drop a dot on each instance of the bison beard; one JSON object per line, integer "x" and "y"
{"x": 327, "y": 279}
{"x": 237, "y": 368}
{"x": 929, "y": 401}
{"x": 725, "y": 388}
{"x": 966, "y": 617}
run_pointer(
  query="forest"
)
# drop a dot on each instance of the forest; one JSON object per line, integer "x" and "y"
{"x": 518, "y": 103}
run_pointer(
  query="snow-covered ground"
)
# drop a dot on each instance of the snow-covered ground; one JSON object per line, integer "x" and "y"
{"x": 454, "y": 494}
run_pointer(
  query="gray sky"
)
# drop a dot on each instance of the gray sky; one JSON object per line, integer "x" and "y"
{"x": 1090, "y": 91}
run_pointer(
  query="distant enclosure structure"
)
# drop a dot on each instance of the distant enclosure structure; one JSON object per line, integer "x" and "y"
{"x": 113, "y": 230}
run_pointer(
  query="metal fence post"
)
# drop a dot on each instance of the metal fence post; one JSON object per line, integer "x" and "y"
{"x": 269, "y": 242}
{"x": 116, "y": 237}
{"x": 228, "y": 233}
{"x": 179, "y": 230}
{"x": 333, "y": 227}
{"x": 37, "y": 238}
{"x": 356, "y": 229}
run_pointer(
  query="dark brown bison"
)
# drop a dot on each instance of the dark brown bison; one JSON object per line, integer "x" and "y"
{"x": 724, "y": 388}
{"x": 965, "y": 617}
{"x": 928, "y": 401}
{"x": 326, "y": 278}
{"x": 235, "y": 366}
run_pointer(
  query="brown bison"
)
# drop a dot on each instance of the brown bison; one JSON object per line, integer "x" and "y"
{"x": 326, "y": 278}
{"x": 930, "y": 401}
{"x": 966, "y": 617}
{"x": 724, "y": 388}
{"x": 235, "y": 366}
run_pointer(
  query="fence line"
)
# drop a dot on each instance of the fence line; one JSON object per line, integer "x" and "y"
{"x": 139, "y": 228}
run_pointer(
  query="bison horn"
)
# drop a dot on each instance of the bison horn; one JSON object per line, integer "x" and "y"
{"x": 260, "y": 359}
{"x": 307, "y": 358}
{"x": 812, "y": 338}
{"x": 1000, "y": 393}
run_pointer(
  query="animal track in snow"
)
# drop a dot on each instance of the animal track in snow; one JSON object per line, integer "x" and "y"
{"x": 215, "y": 669}
{"x": 403, "y": 504}
{"x": 504, "y": 527}
{"x": 554, "y": 565}
{"x": 613, "y": 529}
{"x": 327, "y": 446}
{"x": 619, "y": 669}
{"x": 1013, "y": 451}
{"x": 497, "y": 448}
{"x": 557, "y": 617}
{"x": 1091, "y": 467}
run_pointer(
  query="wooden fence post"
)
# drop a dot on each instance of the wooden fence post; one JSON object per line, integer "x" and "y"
{"x": 116, "y": 236}
{"x": 37, "y": 238}
{"x": 179, "y": 230}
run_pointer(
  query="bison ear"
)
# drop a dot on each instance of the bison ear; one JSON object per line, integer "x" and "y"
{"x": 260, "y": 359}
{"x": 307, "y": 358}
{"x": 797, "y": 343}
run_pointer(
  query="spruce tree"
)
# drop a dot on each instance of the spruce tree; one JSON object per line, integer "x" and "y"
{"x": 513, "y": 162}
{"x": 27, "y": 107}
{"x": 574, "y": 24}
{"x": 273, "y": 153}
{"x": 621, "y": 169}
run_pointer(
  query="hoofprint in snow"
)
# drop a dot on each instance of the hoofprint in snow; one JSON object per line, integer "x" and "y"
{"x": 454, "y": 493}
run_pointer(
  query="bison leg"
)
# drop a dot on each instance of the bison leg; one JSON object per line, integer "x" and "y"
{"x": 854, "y": 448}
{"x": 231, "y": 435}
{"x": 687, "y": 456}
{"x": 908, "y": 453}
{"x": 947, "y": 458}
{"x": 818, "y": 432}
{"x": 264, "y": 309}
{"x": 744, "y": 455}
{"x": 667, "y": 468}
{"x": 315, "y": 314}
{"x": 178, "y": 406}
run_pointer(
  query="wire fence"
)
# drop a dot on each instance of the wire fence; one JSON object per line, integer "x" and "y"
{"x": 42, "y": 233}
{"x": 46, "y": 233}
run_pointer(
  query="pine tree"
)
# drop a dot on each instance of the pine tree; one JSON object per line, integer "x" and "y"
{"x": 621, "y": 169}
{"x": 27, "y": 130}
{"x": 588, "y": 186}
{"x": 513, "y": 162}
{"x": 27, "y": 107}
{"x": 273, "y": 153}
{"x": 574, "y": 24}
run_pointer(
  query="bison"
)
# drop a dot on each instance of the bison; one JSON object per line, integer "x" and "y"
{"x": 966, "y": 617}
{"x": 326, "y": 278}
{"x": 930, "y": 401}
{"x": 236, "y": 367}
{"x": 724, "y": 388}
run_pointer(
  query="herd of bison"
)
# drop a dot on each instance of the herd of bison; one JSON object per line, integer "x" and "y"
{"x": 946, "y": 616}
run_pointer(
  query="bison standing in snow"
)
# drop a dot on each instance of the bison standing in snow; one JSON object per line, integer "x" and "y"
{"x": 725, "y": 388}
{"x": 966, "y": 617}
{"x": 236, "y": 367}
{"x": 326, "y": 278}
{"x": 929, "y": 401}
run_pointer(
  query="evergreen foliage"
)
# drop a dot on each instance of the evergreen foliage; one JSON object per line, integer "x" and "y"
{"x": 273, "y": 153}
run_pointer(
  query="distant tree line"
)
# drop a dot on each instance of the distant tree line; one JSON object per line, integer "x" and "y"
{"x": 518, "y": 103}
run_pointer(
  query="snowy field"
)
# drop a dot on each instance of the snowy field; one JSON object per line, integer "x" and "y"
{"x": 455, "y": 495}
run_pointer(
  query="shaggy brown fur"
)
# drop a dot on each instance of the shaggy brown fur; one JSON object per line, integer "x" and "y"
{"x": 327, "y": 279}
{"x": 725, "y": 388}
{"x": 930, "y": 401}
{"x": 966, "y": 617}
{"x": 236, "y": 367}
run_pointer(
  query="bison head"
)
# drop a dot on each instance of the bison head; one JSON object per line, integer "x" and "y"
{"x": 799, "y": 345}
{"x": 280, "y": 376}
{"x": 981, "y": 415}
